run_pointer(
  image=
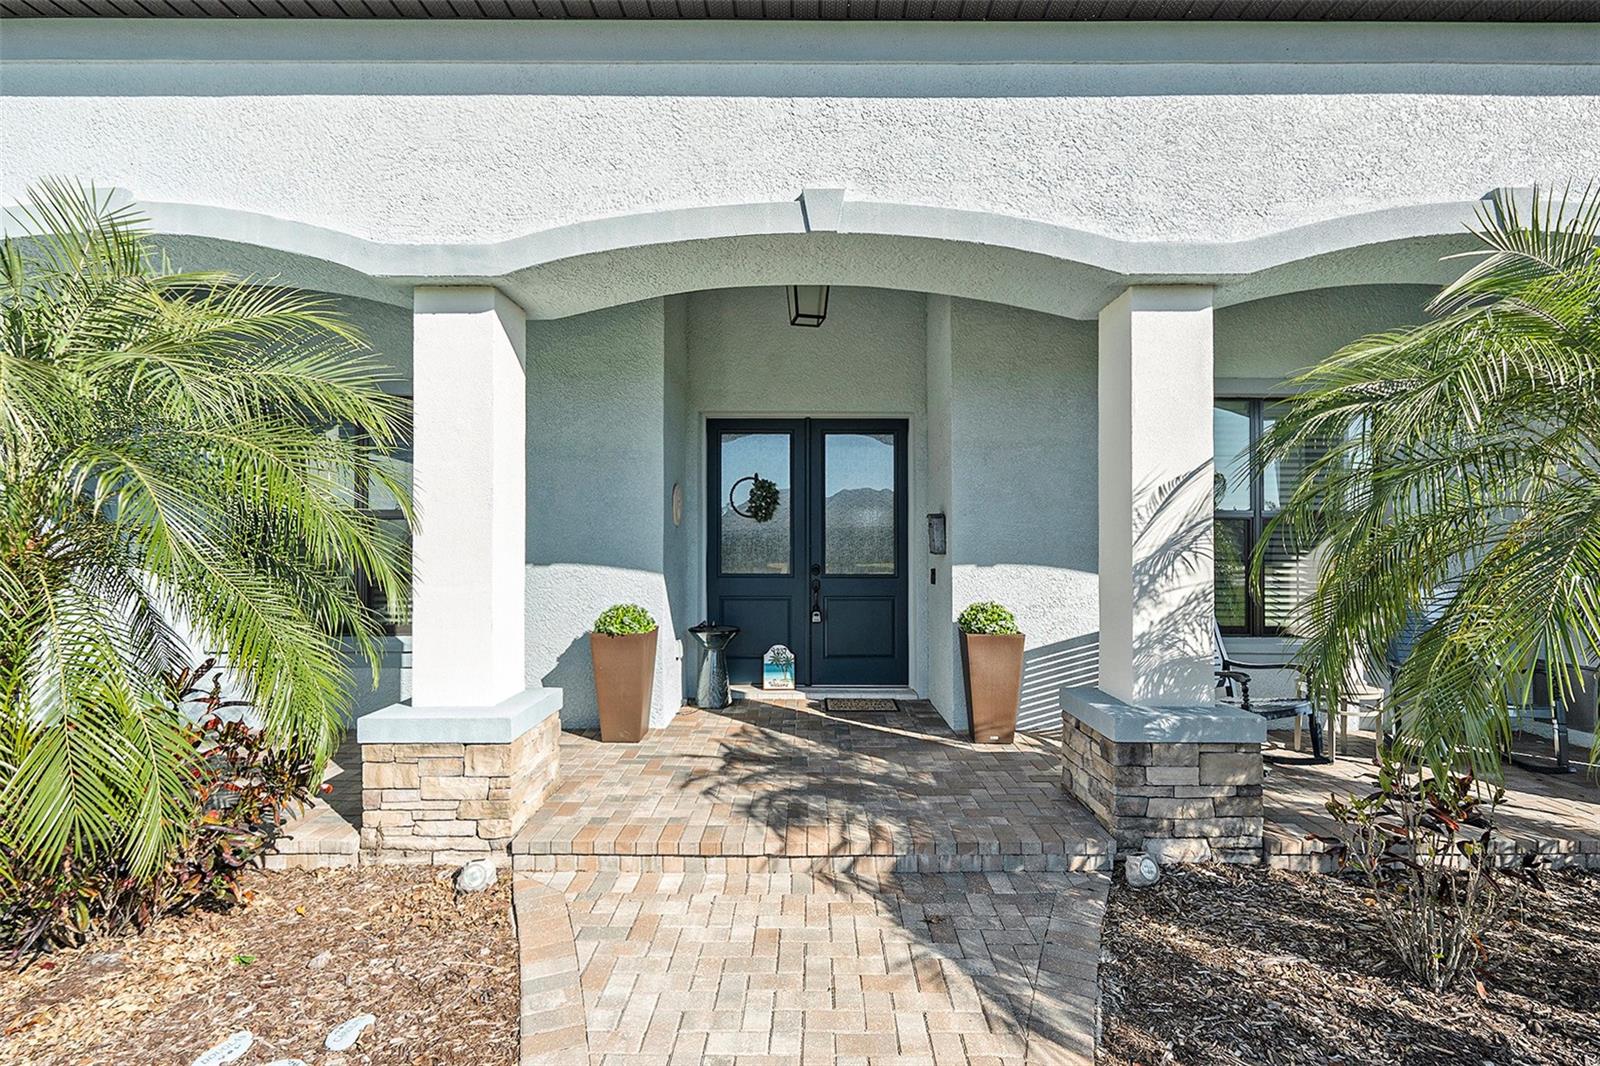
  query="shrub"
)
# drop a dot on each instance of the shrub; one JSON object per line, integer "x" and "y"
{"x": 623, "y": 620}
{"x": 987, "y": 618}
{"x": 1424, "y": 845}
{"x": 172, "y": 473}
{"x": 242, "y": 791}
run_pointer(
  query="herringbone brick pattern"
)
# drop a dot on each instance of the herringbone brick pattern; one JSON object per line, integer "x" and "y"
{"x": 911, "y": 970}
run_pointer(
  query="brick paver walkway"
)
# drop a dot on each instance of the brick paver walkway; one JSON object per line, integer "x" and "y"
{"x": 773, "y": 885}
{"x": 768, "y": 788}
{"x": 796, "y": 969}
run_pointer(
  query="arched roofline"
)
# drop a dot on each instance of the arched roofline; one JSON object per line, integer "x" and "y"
{"x": 550, "y": 269}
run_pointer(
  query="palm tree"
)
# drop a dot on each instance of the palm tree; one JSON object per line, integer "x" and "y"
{"x": 1453, "y": 487}
{"x": 172, "y": 466}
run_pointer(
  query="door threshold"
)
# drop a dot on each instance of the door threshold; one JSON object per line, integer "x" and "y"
{"x": 808, "y": 693}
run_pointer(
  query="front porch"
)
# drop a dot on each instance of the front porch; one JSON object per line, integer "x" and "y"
{"x": 785, "y": 883}
{"x": 791, "y": 788}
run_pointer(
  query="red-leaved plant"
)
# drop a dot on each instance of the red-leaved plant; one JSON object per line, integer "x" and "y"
{"x": 244, "y": 789}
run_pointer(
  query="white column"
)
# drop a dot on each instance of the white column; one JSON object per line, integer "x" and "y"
{"x": 1156, "y": 566}
{"x": 468, "y": 555}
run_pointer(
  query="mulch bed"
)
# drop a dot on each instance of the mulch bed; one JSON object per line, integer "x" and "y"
{"x": 1246, "y": 965}
{"x": 309, "y": 951}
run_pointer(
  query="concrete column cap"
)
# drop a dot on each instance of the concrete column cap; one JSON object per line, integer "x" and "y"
{"x": 1129, "y": 723}
{"x": 401, "y": 723}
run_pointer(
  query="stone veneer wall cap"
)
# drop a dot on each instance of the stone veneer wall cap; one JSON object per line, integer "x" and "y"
{"x": 1127, "y": 723}
{"x": 401, "y": 723}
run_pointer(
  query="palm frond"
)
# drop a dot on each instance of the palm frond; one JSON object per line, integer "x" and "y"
{"x": 1454, "y": 480}
{"x": 168, "y": 478}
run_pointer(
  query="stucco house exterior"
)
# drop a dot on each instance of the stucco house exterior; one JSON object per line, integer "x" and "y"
{"x": 1069, "y": 259}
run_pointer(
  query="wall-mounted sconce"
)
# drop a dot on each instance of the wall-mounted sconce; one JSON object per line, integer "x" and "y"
{"x": 808, "y": 305}
{"x": 936, "y": 534}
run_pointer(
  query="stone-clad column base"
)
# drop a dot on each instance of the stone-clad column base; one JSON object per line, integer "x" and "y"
{"x": 1181, "y": 783}
{"x": 444, "y": 786}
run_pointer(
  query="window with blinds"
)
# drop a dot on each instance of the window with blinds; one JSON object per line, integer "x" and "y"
{"x": 374, "y": 498}
{"x": 1246, "y": 499}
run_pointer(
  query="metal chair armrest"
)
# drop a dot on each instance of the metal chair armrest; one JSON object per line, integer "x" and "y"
{"x": 1229, "y": 677}
{"x": 1231, "y": 664}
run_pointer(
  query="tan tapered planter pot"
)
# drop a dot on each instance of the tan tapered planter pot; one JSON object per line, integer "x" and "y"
{"x": 992, "y": 665}
{"x": 624, "y": 674}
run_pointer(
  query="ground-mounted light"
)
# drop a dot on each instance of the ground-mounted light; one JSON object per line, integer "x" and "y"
{"x": 808, "y": 305}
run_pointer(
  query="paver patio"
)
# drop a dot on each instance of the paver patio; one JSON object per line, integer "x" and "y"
{"x": 816, "y": 968}
{"x": 773, "y": 884}
{"x": 776, "y": 884}
{"x": 1556, "y": 816}
{"x": 772, "y": 788}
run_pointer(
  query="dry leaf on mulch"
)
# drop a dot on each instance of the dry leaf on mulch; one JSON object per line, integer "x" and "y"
{"x": 1227, "y": 965}
{"x": 311, "y": 950}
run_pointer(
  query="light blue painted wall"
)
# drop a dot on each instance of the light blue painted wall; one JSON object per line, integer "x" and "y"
{"x": 1023, "y": 525}
{"x": 1262, "y": 343}
{"x": 1268, "y": 340}
{"x": 676, "y": 444}
{"x": 944, "y": 680}
{"x": 387, "y": 329}
{"x": 869, "y": 358}
{"x": 596, "y": 438}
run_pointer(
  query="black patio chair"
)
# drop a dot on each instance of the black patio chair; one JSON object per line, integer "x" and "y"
{"x": 1232, "y": 673}
{"x": 1549, "y": 712}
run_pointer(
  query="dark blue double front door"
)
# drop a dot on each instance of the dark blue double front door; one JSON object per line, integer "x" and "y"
{"x": 824, "y": 573}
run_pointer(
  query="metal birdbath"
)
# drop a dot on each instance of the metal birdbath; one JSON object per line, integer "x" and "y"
{"x": 712, "y": 691}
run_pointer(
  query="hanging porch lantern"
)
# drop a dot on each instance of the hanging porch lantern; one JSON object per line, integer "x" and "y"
{"x": 808, "y": 305}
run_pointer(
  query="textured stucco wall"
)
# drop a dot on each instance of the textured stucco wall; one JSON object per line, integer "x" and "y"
{"x": 453, "y": 133}
{"x": 595, "y": 469}
{"x": 1266, "y": 341}
{"x": 676, "y": 445}
{"x": 1024, "y": 459}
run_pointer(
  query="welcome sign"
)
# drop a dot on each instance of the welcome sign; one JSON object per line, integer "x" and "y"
{"x": 777, "y": 668}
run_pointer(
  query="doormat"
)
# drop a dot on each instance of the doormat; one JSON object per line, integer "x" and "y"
{"x": 846, "y": 705}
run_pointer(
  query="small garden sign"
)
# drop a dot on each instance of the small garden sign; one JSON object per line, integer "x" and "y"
{"x": 777, "y": 668}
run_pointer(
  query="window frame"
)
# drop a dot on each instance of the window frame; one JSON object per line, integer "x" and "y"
{"x": 1255, "y": 520}
{"x": 360, "y": 491}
